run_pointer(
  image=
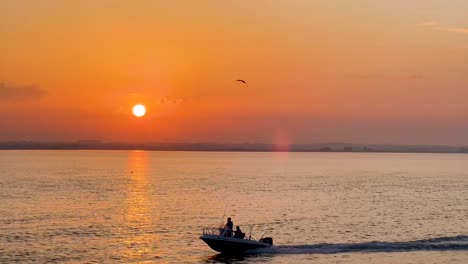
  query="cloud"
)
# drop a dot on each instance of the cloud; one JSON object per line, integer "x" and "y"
{"x": 373, "y": 76}
{"x": 172, "y": 100}
{"x": 427, "y": 24}
{"x": 436, "y": 26}
{"x": 11, "y": 92}
{"x": 458, "y": 30}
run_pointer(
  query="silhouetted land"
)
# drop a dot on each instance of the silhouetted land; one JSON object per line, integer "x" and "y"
{"x": 332, "y": 147}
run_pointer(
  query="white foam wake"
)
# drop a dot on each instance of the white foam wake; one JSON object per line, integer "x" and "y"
{"x": 432, "y": 244}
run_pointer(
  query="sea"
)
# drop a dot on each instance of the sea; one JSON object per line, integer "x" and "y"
{"x": 151, "y": 207}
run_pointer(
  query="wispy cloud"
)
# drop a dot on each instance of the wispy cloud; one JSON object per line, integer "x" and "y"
{"x": 458, "y": 30}
{"x": 437, "y": 26}
{"x": 370, "y": 76}
{"x": 172, "y": 100}
{"x": 427, "y": 24}
{"x": 12, "y": 92}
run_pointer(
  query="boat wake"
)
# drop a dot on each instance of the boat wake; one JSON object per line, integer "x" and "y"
{"x": 432, "y": 244}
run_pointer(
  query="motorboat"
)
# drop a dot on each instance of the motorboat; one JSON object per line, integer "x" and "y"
{"x": 223, "y": 240}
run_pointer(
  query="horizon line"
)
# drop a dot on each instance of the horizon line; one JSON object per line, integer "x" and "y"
{"x": 232, "y": 147}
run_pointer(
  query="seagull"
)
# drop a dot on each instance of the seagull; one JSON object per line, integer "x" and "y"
{"x": 243, "y": 82}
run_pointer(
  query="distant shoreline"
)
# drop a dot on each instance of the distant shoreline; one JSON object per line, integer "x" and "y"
{"x": 247, "y": 147}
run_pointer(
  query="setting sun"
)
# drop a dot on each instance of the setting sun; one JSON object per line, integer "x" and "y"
{"x": 139, "y": 110}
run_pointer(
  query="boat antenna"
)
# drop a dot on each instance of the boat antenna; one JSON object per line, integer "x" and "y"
{"x": 225, "y": 208}
{"x": 262, "y": 236}
{"x": 222, "y": 218}
{"x": 250, "y": 235}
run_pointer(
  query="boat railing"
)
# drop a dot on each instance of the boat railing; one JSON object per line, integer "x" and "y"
{"x": 216, "y": 231}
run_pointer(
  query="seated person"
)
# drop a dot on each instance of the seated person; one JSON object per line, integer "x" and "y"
{"x": 238, "y": 233}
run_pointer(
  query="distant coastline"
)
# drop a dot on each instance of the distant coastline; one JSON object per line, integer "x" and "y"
{"x": 251, "y": 147}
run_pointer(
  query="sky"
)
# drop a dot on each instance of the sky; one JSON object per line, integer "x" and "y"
{"x": 370, "y": 72}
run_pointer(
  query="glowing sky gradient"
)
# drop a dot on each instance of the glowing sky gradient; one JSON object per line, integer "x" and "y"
{"x": 318, "y": 71}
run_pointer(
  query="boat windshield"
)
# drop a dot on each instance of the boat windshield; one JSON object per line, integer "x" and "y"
{"x": 218, "y": 231}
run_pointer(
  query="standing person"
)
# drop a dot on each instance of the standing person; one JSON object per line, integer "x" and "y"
{"x": 228, "y": 227}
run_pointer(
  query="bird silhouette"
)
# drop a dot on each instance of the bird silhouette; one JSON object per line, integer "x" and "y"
{"x": 243, "y": 82}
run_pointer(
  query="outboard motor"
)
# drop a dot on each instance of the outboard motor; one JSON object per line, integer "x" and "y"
{"x": 268, "y": 240}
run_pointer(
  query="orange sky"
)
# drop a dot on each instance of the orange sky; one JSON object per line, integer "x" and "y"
{"x": 318, "y": 71}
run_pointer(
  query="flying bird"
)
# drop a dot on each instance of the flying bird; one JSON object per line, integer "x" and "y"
{"x": 243, "y": 82}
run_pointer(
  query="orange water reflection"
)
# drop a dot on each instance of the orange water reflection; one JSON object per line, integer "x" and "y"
{"x": 141, "y": 240}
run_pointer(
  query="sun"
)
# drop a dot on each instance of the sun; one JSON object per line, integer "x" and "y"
{"x": 139, "y": 110}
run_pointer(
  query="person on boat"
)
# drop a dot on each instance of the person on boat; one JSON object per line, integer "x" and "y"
{"x": 228, "y": 227}
{"x": 238, "y": 233}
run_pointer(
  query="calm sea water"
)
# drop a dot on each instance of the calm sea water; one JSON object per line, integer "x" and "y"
{"x": 145, "y": 207}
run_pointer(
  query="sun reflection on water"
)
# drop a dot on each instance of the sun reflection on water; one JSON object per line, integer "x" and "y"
{"x": 141, "y": 240}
